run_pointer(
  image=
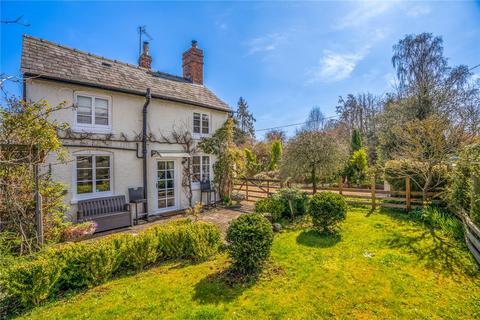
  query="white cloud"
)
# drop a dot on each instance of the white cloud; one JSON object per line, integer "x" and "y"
{"x": 418, "y": 10}
{"x": 268, "y": 42}
{"x": 365, "y": 12}
{"x": 335, "y": 66}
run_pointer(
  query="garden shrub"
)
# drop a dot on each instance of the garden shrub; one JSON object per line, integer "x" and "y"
{"x": 142, "y": 249}
{"x": 32, "y": 281}
{"x": 460, "y": 195}
{"x": 438, "y": 219}
{"x": 249, "y": 238}
{"x": 327, "y": 210}
{"x": 273, "y": 205}
{"x": 298, "y": 198}
{"x": 86, "y": 264}
{"x": 395, "y": 172}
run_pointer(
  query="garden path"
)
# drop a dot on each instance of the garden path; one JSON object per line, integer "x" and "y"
{"x": 219, "y": 216}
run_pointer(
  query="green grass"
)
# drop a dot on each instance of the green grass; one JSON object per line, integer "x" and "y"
{"x": 381, "y": 265}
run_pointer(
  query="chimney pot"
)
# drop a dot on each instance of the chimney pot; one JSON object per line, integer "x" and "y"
{"x": 193, "y": 64}
{"x": 145, "y": 60}
{"x": 146, "y": 47}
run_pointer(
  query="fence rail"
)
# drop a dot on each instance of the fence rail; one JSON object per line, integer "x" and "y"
{"x": 472, "y": 237}
{"x": 255, "y": 189}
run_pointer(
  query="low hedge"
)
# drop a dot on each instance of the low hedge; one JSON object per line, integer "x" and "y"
{"x": 86, "y": 264}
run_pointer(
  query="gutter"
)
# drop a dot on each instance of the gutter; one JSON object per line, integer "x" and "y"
{"x": 128, "y": 91}
{"x": 148, "y": 97}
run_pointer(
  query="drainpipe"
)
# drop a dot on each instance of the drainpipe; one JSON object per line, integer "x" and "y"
{"x": 148, "y": 96}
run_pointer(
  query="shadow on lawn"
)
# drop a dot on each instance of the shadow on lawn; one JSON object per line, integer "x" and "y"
{"x": 315, "y": 239}
{"x": 430, "y": 246}
{"x": 221, "y": 287}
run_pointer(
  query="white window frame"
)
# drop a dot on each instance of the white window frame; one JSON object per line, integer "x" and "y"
{"x": 92, "y": 127}
{"x": 198, "y": 135}
{"x": 196, "y": 184}
{"x": 94, "y": 194}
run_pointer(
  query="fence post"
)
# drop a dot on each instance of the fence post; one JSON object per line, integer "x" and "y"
{"x": 340, "y": 185}
{"x": 268, "y": 188}
{"x": 408, "y": 194}
{"x": 373, "y": 187}
{"x": 246, "y": 188}
{"x": 37, "y": 198}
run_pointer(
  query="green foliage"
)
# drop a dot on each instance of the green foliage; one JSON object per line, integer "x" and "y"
{"x": 244, "y": 119}
{"x": 251, "y": 164}
{"x": 460, "y": 194}
{"x": 395, "y": 172}
{"x": 86, "y": 264}
{"x": 295, "y": 201}
{"x": 275, "y": 155}
{"x": 27, "y": 135}
{"x": 327, "y": 210}
{"x": 356, "y": 143}
{"x": 311, "y": 156}
{"x": 249, "y": 238}
{"x": 273, "y": 205}
{"x": 444, "y": 221}
{"x": 221, "y": 145}
{"x": 357, "y": 168}
{"x": 9, "y": 244}
{"x": 32, "y": 281}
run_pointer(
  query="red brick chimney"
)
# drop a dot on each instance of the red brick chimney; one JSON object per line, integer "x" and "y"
{"x": 145, "y": 61}
{"x": 193, "y": 64}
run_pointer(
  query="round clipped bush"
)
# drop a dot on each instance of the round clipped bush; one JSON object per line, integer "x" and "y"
{"x": 327, "y": 210}
{"x": 272, "y": 205}
{"x": 250, "y": 238}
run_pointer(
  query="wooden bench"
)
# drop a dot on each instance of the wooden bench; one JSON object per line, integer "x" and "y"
{"x": 108, "y": 212}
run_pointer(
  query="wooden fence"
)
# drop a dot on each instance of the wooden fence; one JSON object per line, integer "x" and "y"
{"x": 472, "y": 236}
{"x": 255, "y": 189}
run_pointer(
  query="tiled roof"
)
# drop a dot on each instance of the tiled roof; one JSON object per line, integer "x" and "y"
{"x": 53, "y": 61}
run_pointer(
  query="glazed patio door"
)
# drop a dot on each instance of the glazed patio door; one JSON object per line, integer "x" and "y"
{"x": 166, "y": 197}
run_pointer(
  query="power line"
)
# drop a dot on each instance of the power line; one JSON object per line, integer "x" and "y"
{"x": 294, "y": 124}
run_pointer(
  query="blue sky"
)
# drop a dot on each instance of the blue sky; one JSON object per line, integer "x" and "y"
{"x": 282, "y": 57}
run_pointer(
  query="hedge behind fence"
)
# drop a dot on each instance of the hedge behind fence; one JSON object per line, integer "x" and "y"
{"x": 86, "y": 264}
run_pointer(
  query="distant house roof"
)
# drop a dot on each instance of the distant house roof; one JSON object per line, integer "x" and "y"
{"x": 48, "y": 60}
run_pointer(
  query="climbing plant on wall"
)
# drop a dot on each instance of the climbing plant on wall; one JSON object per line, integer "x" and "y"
{"x": 228, "y": 156}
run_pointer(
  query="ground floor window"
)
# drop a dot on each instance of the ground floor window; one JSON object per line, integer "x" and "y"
{"x": 200, "y": 168}
{"x": 93, "y": 174}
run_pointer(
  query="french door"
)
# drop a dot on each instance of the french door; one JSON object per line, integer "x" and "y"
{"x": 166, "y": 188}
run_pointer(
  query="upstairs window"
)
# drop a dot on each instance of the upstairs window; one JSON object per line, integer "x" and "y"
{"x": 92, "y": 113}
{"x": 201, "y": 123}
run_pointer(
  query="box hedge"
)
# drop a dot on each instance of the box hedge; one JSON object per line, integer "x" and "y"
{"x": 86, "y": 264}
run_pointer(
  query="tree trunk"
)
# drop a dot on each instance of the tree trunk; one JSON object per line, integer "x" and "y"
{"x": 426, "y": 186}
{"x": 314, "y": 180}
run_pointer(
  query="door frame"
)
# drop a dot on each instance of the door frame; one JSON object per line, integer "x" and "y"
{"x": 176, "y": 184}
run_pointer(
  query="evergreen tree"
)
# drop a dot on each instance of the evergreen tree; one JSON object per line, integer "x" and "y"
{"x": 275, "y": 155}
{"x": 244, "y": 122}
{"x": 356, "y": 143}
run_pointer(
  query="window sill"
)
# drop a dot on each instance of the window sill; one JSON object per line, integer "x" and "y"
{"x": 89, "y": 196}
{"x": 92, "y": 129}
{"x": 198, "y": 136}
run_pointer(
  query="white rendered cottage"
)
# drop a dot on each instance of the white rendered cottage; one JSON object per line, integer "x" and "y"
{"x": 119, "y": 113}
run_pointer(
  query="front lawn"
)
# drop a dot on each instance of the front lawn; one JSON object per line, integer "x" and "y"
{"x": 381, "y": 265}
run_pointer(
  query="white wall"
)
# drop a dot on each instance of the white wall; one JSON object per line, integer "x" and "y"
{"x": 126, "y": 119}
